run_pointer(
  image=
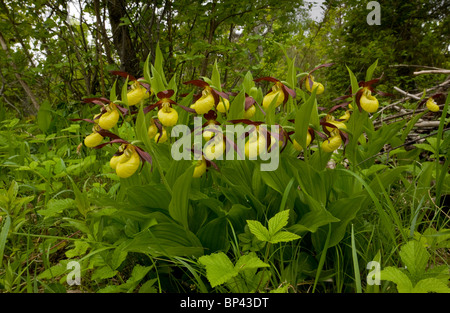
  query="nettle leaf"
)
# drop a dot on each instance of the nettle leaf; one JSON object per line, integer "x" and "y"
{"x": 395, "y": 275}
{"x": 249, "y": 262}
{"x": 57, "y": 206}
{"x": 283, "y": 236}
{"x": 219, "y": 268}
{"x": 430, "y": 285}
{"x": 278, "y": 221}
{"x": 257, "y": 229}
{"x": 274, "y": 233}
{"x": 415, "y": 257}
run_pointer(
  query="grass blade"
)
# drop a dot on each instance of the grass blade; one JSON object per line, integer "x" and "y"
{"x": 356, "y": 265}
{"x": 322, "y": 257}
{"x": 3, "y": 237}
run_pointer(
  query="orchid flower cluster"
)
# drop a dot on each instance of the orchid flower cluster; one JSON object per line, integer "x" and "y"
{"x": 211, "y": 102}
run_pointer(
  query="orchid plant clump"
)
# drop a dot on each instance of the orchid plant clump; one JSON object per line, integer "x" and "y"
{"x": 179, "y": 161}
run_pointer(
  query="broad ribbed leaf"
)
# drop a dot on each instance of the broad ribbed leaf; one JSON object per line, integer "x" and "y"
{"x": 179, "y": 205}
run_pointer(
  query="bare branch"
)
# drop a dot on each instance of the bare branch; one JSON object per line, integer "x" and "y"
{"x": 440, "y": 71}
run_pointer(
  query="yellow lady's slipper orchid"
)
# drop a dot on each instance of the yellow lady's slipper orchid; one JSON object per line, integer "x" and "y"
{"x": 162, "y": 137}
{"x": 205, "y": 102}
{"x": 338, "y": 124}
{"x": 137, "y": 94}
{"x": 128, "y": 163}
{"x": 276, "y": 91}
{"x": 207, "y": 133}
{"x": 250, "y": 112}
{"x": 298, "y": 147}
{"x": 167, "y": 115}
{"x": 432, "y": 105}
{"x": 345, "y": 117}
{"x": 332, "y": 143}
{"x": 114, "y": 161}
{"x": 215, "y": 149}
{"x": 110, "y": 118}
{"x": 200, "y": 168}
{"x": 223, "y": 105}
{"x": 97, "y": 117}
{"x": 255, "y": 146}
{"x": 152, "y": 131}
{"x": 93, "y": 139}
{"x": 315, "y": 85}
{"x": 368, "y": 102}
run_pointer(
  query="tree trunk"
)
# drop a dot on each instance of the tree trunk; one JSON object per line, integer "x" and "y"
{"x": 121, "y": 38}
{"x": 24, "y": 85}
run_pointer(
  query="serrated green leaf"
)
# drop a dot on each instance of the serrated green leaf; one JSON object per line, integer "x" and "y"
{"x": 249, "y": 261}
{"x": 103, "y": 272}
{"x": 278, "y": 221}
{"x": 219, "y": 268}
{"x": 79, "y": 249}
{"x": 57, "y": 206}
{"x": 430, "y": 285}
{"x": 257, "y": 229}
{"x": 415, "y": 257}
{"x": 283, "y": 236}
{"x": 399, "y": 278}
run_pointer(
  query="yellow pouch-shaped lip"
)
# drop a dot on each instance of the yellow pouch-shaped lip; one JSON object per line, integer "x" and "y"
{"x": 93, "y": 140}
{"x": 254, "y": 147}
{"x": 250, "y": 112}
{"x": 128, "y": 163}
{"x": 109, "y": 119}
{"x": 339, "y": 125}
{"x": 267, "y": 100}
{"x": 332, "y": 143}
{"x": 163, "y": 136}
{"x": 298, "y": 147}
{"x": 214, "y": 149}
{"x": 319, "y": 86}
{"x": 345, "y": 117}
{"x": 223, "y": 105}
{"x": 369, "y": 103}
{"x": 204, "y": 104}
{"x": 432, "y": 105}
{"x": 200, "y": 168}
{"x": 136, "y": 95}
{"x": 152, "y": 131}
{"x": 168, "y": 116}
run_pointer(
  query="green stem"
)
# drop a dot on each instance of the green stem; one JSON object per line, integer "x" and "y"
{"x": 266, "y": 257}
